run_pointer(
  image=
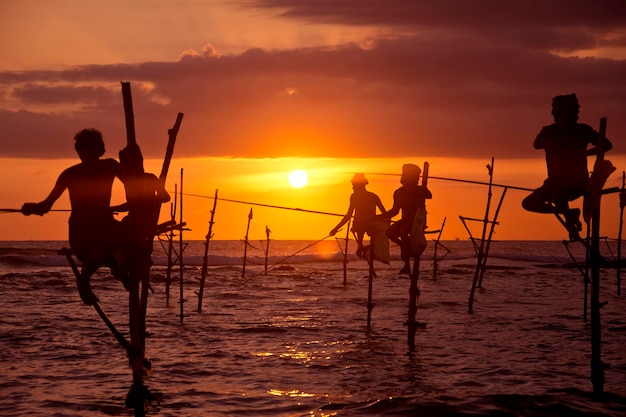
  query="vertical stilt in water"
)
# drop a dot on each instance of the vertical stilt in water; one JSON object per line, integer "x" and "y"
{"x": 370, "y": 303}
{"x": 597, "y": 367}
{"x": 435, "y": 259}
{"x": 144, "y": 198}
{"x": 414, "y": 292}
{"x": 245, "y": 246}
{"x": 482, "y": 241}
{"x": 180, "y": 250}
{"x": 345, "y": 255}
{"x": 267, "y": 245}
{"x": 170, "y": 248}
{"x": 619, "y": 236}
{"x": 205, "y": 259}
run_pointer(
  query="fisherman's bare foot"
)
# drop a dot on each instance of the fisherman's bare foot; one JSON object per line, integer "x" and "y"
{"x": 86, "y": 294}
{"x": 573, "y": 224}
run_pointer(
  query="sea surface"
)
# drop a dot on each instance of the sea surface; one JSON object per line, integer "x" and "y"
{"x": 292, "y": 340}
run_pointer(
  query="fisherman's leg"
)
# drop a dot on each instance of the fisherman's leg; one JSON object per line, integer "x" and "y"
{"x": 405, "y": 252}
{"x": 359, "y": 241}
{"x": 83, "y": 282}
{"x": 570, "y": 215}
{"x": 539, "y": 201}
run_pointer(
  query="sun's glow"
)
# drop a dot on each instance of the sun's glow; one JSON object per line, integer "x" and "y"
{"x": 298, "y": 178}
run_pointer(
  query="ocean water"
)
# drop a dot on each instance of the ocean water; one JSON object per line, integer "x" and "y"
{"x": 293, "y": 341}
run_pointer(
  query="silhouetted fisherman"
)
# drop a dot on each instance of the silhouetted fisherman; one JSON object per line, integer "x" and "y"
{"x": 363, "y": 204}
{"x": 409, "y": 198}
{"x": 95, "y": 236}
{"x": 565, "y": 143}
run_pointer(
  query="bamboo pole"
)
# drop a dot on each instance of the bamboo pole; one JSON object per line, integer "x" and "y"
{"x": 437, "y": 243}
{"x": 144, "y": 207}
{"x": 492, "y": 227}
{"x": 370, "y": 284}
{"x": 205, "y": 259}
{"x": 245, "y": 247}
{"x": 414, "y": 291}
{"x": 181, "y": 265}
{"x": 597, "y": 366}
{"x": 619, "y": 234}
{"x": 345, "y": 254}
{"x": 267, "y": 246}
{"x": 482, "y": 239}
{"x": 170, "y": 248}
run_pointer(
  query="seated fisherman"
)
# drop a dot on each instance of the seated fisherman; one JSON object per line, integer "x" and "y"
{"x": 363, "y": 204}
{"x": 95, "y": 236}
{"x": 565, "y": 143}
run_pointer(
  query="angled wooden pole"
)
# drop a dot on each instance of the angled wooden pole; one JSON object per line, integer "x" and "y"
{"x": 492, "y": 227}
{"x": 482, "y": 240}
{"x": 205, "y": 258}
{"x": 245, "y": 246}
{"x": 437, "y": 244}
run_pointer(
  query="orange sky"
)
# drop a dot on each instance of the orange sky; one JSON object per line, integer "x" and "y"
{"x": 271, "y": 86}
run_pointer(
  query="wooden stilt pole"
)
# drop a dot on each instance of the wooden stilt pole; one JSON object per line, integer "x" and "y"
{"x": 345, "y": 254}
{"x": 267, "y": 246}
{"x": 205, "y": 259}
{"x": 181, "y": 248}
{"x": 482, "y": 240}
{"x": 145, "y": 194}
{"x": 437, "y": 244}
{"x": 619, "y": 234}
{"x": 170, "y": 248}
{"x": 245, "y": 247}
{"x": 493, "y": 222}
{"x": 370, "y": 285}
{"x": 597, "y": 366}
{"x": 414, "y": 291}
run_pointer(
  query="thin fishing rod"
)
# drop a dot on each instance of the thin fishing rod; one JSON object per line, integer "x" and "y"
{"x": 265, "y": 205}
{"x": 464, "y": 181}
{"x": 8, "y": 210}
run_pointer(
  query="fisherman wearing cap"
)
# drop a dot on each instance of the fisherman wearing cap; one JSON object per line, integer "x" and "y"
{"x": 363, "y": 204}
{"x": 408, "y": 198}
{"x": 565, "y": 143}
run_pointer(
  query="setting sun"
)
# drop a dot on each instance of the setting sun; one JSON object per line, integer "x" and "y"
{"x": 298, "y": 178}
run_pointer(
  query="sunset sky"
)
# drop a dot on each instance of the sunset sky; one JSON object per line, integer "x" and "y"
{"x": 331, "y": 87}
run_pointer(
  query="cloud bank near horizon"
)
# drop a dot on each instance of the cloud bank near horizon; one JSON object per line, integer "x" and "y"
{"x": 431, "y": 79}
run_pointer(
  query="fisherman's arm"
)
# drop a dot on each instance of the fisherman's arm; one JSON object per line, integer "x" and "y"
{"x": 44, "y": 206}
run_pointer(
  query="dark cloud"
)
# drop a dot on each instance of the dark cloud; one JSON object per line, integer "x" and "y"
{"x": 557, "y": 24}
{"x": 421, "y": 94}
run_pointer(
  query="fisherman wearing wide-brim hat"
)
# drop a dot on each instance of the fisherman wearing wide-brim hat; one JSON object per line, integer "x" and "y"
{"x": 363, "y": 204}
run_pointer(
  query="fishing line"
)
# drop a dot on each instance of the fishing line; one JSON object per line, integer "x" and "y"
{"x": 297, "y": 252}
{"x": 263, "y": 205}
